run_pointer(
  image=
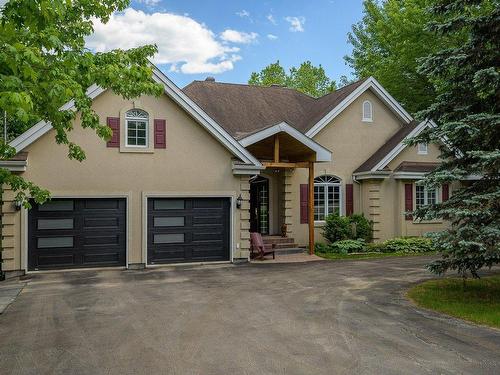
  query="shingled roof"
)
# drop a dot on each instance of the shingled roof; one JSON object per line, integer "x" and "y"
{"x": 244, "y": 109}
{"x": 387, "y": 147}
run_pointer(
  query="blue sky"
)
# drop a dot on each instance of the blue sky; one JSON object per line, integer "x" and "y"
{"x": 230, "y": 39}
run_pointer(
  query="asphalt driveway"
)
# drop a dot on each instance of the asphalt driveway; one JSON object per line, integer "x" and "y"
{"x": 312, "y": 318}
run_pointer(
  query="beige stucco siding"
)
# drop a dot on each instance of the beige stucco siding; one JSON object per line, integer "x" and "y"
{"x": 351, "y": 142}
{"x": 410, "y": 154}
{"x": 193, "y": 164}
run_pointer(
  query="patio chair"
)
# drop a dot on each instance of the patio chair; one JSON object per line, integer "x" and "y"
{"x": 257, "y": 247}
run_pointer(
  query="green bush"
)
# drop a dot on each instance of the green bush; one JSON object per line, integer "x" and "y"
{"x": 374, "y": 248}
{"x": 362, "y": 226}
{"x": 347, "y": 246}
{"x": 339, "y": 228}
{"x": 320, "y": 247}
{"x": 407, "y": 245}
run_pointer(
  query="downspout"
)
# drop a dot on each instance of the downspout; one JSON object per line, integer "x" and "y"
{"x": 354, "y": 179}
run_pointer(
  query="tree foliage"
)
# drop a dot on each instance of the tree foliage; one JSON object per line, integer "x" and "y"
{"x": 307, "y": 78}
{"x": 387, "y": 43}
{"x": 466, "y": 111}
{"x": 44, "y": 64}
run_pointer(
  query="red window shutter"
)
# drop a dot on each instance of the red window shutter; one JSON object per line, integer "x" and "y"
{"x": 349, "y": 200}
{"x": 114, "y": 124}
{"x": 445, "y": 191}
{"x": 304, "y": 206}
{"x": 408, "y": 200}
{"x": 160, "y": 133}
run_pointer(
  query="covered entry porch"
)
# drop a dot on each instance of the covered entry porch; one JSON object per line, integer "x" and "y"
{"x": 282, "y": 149}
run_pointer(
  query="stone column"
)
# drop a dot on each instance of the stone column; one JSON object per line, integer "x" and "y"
{"x": 11, "y": 235}
{"x": 244, "y": 215}
{"x": 374, "y": 202}
{"x": 287, "y": 201}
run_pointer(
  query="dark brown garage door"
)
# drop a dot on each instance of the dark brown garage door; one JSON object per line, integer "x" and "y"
{"x": 188, "y": 230}
{"x": 74, "y": 233}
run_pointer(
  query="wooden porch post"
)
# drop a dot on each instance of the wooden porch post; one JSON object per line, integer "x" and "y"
{"x": 311, "y": 208}
{"x": 276, "y": 148}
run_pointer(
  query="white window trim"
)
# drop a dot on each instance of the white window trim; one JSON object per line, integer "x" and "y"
{"x": 341, "y": 198}
{"x": 426, "y": 195}
{"x": 127, "y": 119}
{"x": 422, "y": 151}
{"x": 367, "y": 119}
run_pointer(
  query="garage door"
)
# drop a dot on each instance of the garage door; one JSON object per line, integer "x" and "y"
{"x": 74, "y": 233}
{"x": 188, "y": 230}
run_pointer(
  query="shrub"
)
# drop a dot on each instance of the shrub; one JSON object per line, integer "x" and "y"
{"x": 348, "y": 246}
{"x": 407, "y": 245}
{"x": 321, "y": 247}
{"x": 374, "y": 248}
{"x": 337, "y": 228}
{"x": 362, "y": 226}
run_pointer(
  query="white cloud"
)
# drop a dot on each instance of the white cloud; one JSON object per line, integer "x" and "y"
{"x": 235, "y": 36}
{"x": 243, "y": 13}
{"x": 296, "y": 23}
{"x": 271, "y": 19}
{"x": 150, "y": 3}
{"x": 272, "y": 37}
{"x": 189, "y": 46}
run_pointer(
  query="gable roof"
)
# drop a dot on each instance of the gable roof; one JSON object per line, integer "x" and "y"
{"x": 322, "y": 154}
{"x": 392, "y": 148}
{"x": 244, "y": 109}
{"x": 174, "y": 92}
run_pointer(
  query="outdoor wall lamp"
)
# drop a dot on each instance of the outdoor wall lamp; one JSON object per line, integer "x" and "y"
{"x": 239, "y": 201}
{"x": 18, "y": 205}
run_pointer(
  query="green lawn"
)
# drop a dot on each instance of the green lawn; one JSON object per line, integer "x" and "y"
{"x": 479, "y": 302}
{"x": 336, "y": 256}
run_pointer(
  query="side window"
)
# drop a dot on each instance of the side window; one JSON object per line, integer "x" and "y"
{"x": 367, "y": 111}
{"x": 136, "y": 125}
{"x": 422, "y": 149}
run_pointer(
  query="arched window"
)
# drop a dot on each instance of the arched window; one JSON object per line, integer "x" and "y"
{"x": 327, "y": 197}
{"x": 367, "y": 111}
{"x": 137, "y": 124}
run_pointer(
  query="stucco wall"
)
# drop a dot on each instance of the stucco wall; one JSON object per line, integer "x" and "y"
{"x": 193, "y": 164}
{"x": 411, "y": 154}
{"x": 351, "y": 142}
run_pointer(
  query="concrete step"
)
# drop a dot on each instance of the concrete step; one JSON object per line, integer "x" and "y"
{"x": 285, "y": 245}
{"x": 277, "y": 240}
{"x": 290, "y": 250}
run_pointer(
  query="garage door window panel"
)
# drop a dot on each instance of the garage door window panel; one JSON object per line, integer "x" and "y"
{"x": 170, "y": 204}
{"x": 169, "y": 238}
{"x": 169, "y": 221}
{"x": 47, "y": 224}
{"x": 59, "y": 205}
{"x": 53, "y": 242}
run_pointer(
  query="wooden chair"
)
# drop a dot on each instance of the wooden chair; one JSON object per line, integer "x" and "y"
{"x": 258, "y": 249}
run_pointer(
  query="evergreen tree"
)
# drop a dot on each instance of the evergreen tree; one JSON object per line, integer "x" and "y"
{"x": 466, "y": 111}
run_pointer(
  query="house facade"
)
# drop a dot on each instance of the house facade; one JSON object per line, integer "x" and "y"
{"x": 189, "y": 174}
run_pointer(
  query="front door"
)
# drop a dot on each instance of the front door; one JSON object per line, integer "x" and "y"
{"x": 259, "y": 205}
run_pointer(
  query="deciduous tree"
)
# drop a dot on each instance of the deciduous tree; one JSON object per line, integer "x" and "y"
{"x": 307, "y": 78}
{"x": 44, "y": 64}
{"x": 387, "y": 43}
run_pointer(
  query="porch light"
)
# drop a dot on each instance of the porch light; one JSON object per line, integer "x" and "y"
{"x": 17, "y": 205}
{"x": 239, "y": 201}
